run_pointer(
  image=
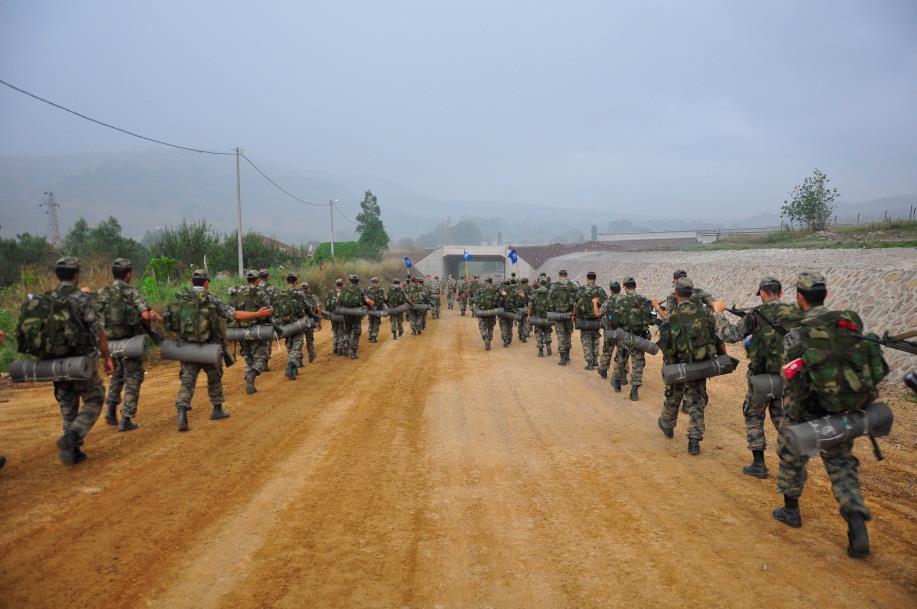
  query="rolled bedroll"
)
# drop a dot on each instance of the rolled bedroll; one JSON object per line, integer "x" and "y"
{"x": 420, "y": 306}
{"x": 488, "y": 312}
{"x": 555, "y": 316}
{"x": 194, "y": 353}
{"x": 587, "y": 324}
{"x": 540, "y": 321}
{"x": 376, "y": 313}
{"x": 763, "y": 388}
{"x": 131, "y": 348}
{"x": 296, "y": 327}
{"x": 260, "y": 332}
{"x": 402, "y": 308}
{"x": 61, "y": 369}
{"x": 632, "y": 341}
{"x": 509, "y": 315}
{"x": 351, "y": 311}
{"x": 811, "y": 437}
{"x": 695, "y": 371}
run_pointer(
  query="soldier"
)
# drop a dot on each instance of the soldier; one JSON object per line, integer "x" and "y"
{"x": 539, "y": 305}
{"x": 845, "y": 379}
{"x": 200, "y": 317}
{"x": 376, "y": 293}
{"x": 698, "y": 294}
{"x": 337, "y": 338}
{"x": 124, "y": 313}
{"x": 63, "y": 323}
{"x": 461, "y": 291}
{"x": 687, "y": 335}
{"x": 313, "y": 304}
{"x": 450, "y": 292}
{"x": 290, "y": 306}
{"x": 263, "y": 279}
{"x": 489, "y": 298}
{"x": 427, "y": 300}
{"x": 525, "y": 292}
{"x": 251, "y": 298}
{"x": 353, "y": 296}
{"x": 436, "y": 290}
{"x": 606, "y": 315}
{"x": 395, "y": 298}
{"x": 414, "y": 295}
{"x": 588, "y": 302}
{"x": 562, "y": 297}
{"x": 508, "y": 300}
{"x": 633, "y": 313}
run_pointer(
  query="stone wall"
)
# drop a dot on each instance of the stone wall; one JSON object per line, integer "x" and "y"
{"x": 880, "y": 284}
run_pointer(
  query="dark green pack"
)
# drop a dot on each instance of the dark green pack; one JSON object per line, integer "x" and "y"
{"x": 489, "y": 298}
{"x": 246, "y": 298}
{"x": 540, "y": 302}
{"x": 584, "y": 300}
{"x": 289, "y": 306}
{"x": 50, "y": 326}
{"x": 631, "y": 312}
{"x": 351, "y": 296}
{"x": 840, "y": 372}
{"x": 689, "y": 333}
{"x": 563, "y": 297}
{"x": 194, "y": 317}
{"x": 773, "y": 321}
{"x": 120, "y": 316}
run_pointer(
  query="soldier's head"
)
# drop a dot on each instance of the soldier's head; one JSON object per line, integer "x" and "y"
{"x": 590, "y": 277}
{"x": 630, "y": 284}
{"x": 353, "y": 279}
{"x": 263, "y": 275}
{"x": 374, "y": 280}
{"x": 684, "y": 288}
{"x": 67, "y": 269}
{"x": 252, "y": 277}
{"x": 811, "y": 290}
{"x": 489, "y": 280}
{"x": 678, "y": 275}
{"x": 615, "y": 287}
{"x": 122, "y": 269}
{"x": 562, "y": 273}
{"x": 436, "y": 278}
{"x": 525, "y": 281}
{"x": 291, "y": 279}
{"x": 770, "y": 289}
{"x": 305, "y": 286}
{"x": 200, "y": 278}
{"x": 339, "y": 282}
{"x": 396, "y": 282}
{"x": 420, "y": 280}
{"x": 450, "y": 276}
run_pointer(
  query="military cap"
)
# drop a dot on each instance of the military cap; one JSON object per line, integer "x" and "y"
{"x": 628, "y": 280}
{"x": 684, "y": 283}
{"x": 590, "y": 275}
{"x": 614, "y": 284}
{"x": 67, "y": 262}
{"x": 678, "y": 274}
{"x": 489, "y": 280}
{"x": 562, "y": 272}
{"x": 770, "y": 282}
{"x": 420, "y": 279}
{"x": 543, "y": 275}
{"x": 374, "y": 280}
{"x": 251, "y": 274}
{"x": 396, "y": 282}
{"x": 338, "y": 281}
{"x": 304, "y": 285}
{"x": 811, "y": 280}
{"x": 200, "y": 274}
{"x": 291, "y": 277}
{"x": 525, "y": 280}
{"x": 352, "y": 278}
{"x": 263, "y": 274}
{"x": 122, "y": 264}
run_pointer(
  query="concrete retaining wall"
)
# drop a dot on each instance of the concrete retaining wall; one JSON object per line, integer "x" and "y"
{"x": 880, "y": 284}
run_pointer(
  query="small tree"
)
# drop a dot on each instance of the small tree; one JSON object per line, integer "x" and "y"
{"x": 812, "y": 202}
{"x": 373, "y": 238}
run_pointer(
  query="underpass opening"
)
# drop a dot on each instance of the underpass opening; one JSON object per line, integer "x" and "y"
{"x": 494, "y": 266}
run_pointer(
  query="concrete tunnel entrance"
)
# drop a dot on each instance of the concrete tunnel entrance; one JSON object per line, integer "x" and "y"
{"x": 494, "y": 266}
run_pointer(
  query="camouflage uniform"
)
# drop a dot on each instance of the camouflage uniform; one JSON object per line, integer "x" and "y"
{"x": 633, "y": 313}
{"x": 436, "y": 297}
{"x": 353, "y": 324}
{"x": 92, "y": 392}
{"x": 589, "y": 338}
{"x": 509, "y": 301}
{"x": 309, "y": 335}
{"x": 395, "y": 297}
{"x": 450, "y": 293}
{"x": 488, "y": 297}
{"x": 271, "y": 292}
{"x": 608, "y": 344}
{"x": 525, "y": 293}
{"x": 129, "y": 372}
{"x": 427, "y": 298}
{"x": 255, "y": 352}
{"x": 562, "y": 296}
{"x": 540, "y": 305}
{"x": 414, "y": 294}
{"x": 376, "y": 293}
{"x": 462, "y": 292}
{"x": 337, "y": 338}
{"x": 294, "y": 343}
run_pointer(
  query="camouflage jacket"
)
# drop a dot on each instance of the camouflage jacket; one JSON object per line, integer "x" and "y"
{"x": 395, "y": 296}
{"x": 698, "y": 295}
{"x": 376, "y": 294}
{"x": 540, "y": 303}
{"x": 584, "y": 298}
{"x": 562, "y": 296}
{"x": 766, "y": 342}
{"x": 688, "y": 334}
{"x": 270, "y": 290}
{"x": 117, "y": 295}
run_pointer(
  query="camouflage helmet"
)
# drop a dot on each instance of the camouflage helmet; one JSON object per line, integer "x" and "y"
{"x": 770, "y": 283}
{"x": 685, "y": 285}
{"x": 291, "y": 277}
{"x": 67, "y": 262}
{"x": 338, "y": 281}
{"x": 374, "y": 280}
{"x": 263, "y": 274}
{"x": 122, "y": 264}
{"x": 352, "y": 278}
{"x": 251, "y": 274}
{"x": 200, "y": 274}
{"x": 811, "y": 280}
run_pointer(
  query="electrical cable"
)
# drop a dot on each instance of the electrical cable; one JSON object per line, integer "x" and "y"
{"x": 278, "y": 186}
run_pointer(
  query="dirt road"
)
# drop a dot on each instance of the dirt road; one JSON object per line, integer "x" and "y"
{"x": 431, "y": 473}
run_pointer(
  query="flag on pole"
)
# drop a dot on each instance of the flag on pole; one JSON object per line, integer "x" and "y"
{"x": 513, "y": 256}
{"x": 407, "y": 262}
{"x": 466, "y": 255}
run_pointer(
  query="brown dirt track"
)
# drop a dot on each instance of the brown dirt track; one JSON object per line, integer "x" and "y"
{"x": 432, "y": 474}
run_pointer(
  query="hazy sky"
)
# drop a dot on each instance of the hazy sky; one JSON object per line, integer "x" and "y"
{"x": 641, "y": 105}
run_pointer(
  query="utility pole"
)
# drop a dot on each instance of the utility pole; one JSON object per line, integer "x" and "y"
{"x": 331, "y": 211}
{"x": 54, "y": 221}
{"x": 239, "y": 213}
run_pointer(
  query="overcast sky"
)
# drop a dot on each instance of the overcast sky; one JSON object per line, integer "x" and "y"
{"x": 593, "y": 104}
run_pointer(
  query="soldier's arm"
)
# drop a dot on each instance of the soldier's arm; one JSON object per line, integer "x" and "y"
{"x": 733, "y": 333}
{"x": 94, "y": 326}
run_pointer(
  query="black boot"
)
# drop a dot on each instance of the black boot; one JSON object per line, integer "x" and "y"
{"x": 693, "y": 446}
{"x": 250, "y": 382}
{"x": 505, "y": 343}
{"x": 616, "y": 383}
{"x": 633, "y": 393}
{"x": 603, "y": 372}
{"x": 68, "y": 444}
{"x": 789, "y": 514}
{"x": 669, "y": 433}
{"x": 486, "y": 345}
{"x": 757, "y": 468}
{"x": 563, "y": 359}
{"x": 857, "y": 537}
{"x": 111, "y": 416}
{"x": 2, "y": 461}
{"x": 218, "y": 413}
{"x": 624, "y": 380}
{"x": 127, "y": 425}
{"x": 353, "y": 354}
{"x": 291, "y": 371}
{"x": 79, "y": 455}
{"x": 540, "y": 351}
{"x": 311, "y": 357}
{"x": 547, "y": 350}
{"x": 589, "y": 365}
{"x": 182, "y": 418}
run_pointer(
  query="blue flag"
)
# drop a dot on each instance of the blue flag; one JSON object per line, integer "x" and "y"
{"x": 513, "y": 256}
{"x": 466, "y": 255}
{"x": 407, "y": 262}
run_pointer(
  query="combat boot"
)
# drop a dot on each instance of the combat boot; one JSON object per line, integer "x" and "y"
{"x": 789, "y": 514}
{"x": 633, "y": 393}
{"x": 523, "y": 338}
{"x": 291, "y": 371}
{"x": 589, "y": 365}
{"x": 547, "y": 350}
{"x": 669, "y": 433}
{"x": 857, "y": 537}
{"x": 693, "y": 446}
{"x": 353, "y": 354}
{"x": 595, "y": 362}
{"x": 182, "y": 418}
{"x": 68, "y": 445}
{"x": 758, "y": 469}
{"x": 563, "y": 359}
{"x": 311, "y": 357}
{"x": 127, "y": 425}
{"x": 486, "y": 345}
{"x": 616, "y": 383}
{"x": 623, "y": 380}
{"x": 111, "y": 416}
{"x": 603, "y": 372}
{"x": 505, "y": 343}
{"x": 79, "y": 455}
{"x": 250, "y": 382}
{"x": 540, "y": 351}
{"x": 218, "y": 413}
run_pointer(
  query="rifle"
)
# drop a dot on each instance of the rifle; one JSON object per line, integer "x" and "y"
{"x": 743, "y": 312}
{"x": 897, "y": 341}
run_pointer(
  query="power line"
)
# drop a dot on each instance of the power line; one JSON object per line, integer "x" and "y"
{"x": 279, "y": 187}
{"x": 343, "y": 215}
{"x": 104, "y": 124}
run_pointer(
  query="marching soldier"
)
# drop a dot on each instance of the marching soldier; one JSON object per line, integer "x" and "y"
{"x": 353, "y": 296}
{"x": 376, "y": 293}
{"x": 450, "y": 292}
{"x": 395, "y": 297}
{"x": 633, "y": 314}
{"x": 589, "y": 300}
{"x": 489, "y": 298}
{"x": 315, "y": 306}
{"x": 539, "y": 305}
{"x": 606, "y": 315}
{"x": 251, "y": 298}
{"x": 562, "y": 297}
{"x": 337, "y": 339}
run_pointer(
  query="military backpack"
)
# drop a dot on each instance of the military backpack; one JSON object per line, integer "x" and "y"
{"x": 194, "y": 317}
{"x": 489, "y": 298}
{"x": 351, "y": 296}
{"x": 289, "y": 306}
{"x": 689, "y": 334}
{"x": 246, "y": 298}
{"x": 118, "y": 312}
{"x": 50, "y": 326}
{"x": 773, "y": 321}
{"x": 563, "y": 297}
{"x": 631, "y": 312}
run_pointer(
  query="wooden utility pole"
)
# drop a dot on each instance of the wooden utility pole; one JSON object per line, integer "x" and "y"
{"x": 239, "y": 213}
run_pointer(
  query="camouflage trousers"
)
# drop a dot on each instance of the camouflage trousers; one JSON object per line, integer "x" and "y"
{"x": 437, "y": 305}
{"x": 639, "y": 363}
{"x": 423, "y": 320}
{"x": 590, "y": 342}
{"x": 608, "y": 352}
{"x": 450, "y": 300}
{"x": 523, "y": 327}
{"x": 353, "y": 328}
{"x": 543, "y": 336}
{"x": 416, "y": 318}
{"x": 397, "y": 322}
{"x": 754, "y": 420}
{"x": 564, "y": 329}
{"x": 68, "y": 395}
{"x": 506, "y": 330}
{"x": 336, "y": 339}
{"x": 463, "y": 305}
{"x": 486, "y": 326}
{"x": 694, "y": 394}
{"x": 373, "y": 326}
{"x": 128, "y": 375}
{"x": 294, "y": 349}
{"x": 840, "y": 464}
{"x": 255, "y": 353}
{"x": 187, "y": 377}
{"x": 310, "y": 341}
